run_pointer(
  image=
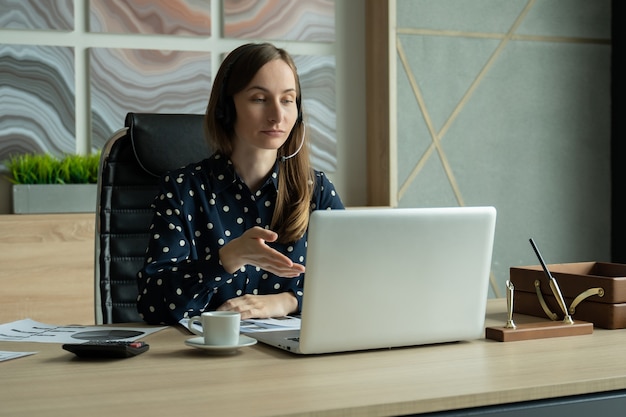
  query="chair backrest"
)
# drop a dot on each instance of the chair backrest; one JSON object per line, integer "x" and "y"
{"x": 132, "y": 161}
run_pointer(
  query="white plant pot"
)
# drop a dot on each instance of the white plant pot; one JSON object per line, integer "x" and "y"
{"x": 54, "y": 198}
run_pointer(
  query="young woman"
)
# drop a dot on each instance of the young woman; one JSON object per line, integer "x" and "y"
{"x": 229, "y": 232}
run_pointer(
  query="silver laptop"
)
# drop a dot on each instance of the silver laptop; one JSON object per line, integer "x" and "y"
{"x": 384, "y": 278}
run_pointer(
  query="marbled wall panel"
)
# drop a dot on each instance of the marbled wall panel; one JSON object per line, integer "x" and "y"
{"x": 129, "y": 80}
{"x": 172, "y": 17}
{"x": 317, "y": 80}
{"x": 37, "y": 110}
{"x": 37, "y": 14}
{"x": 294, "y": 20}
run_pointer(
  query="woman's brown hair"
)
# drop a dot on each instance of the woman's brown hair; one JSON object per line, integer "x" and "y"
{"x": 295, "y": 176}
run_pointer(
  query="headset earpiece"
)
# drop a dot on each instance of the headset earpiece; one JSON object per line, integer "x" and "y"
{"x": 224, "y": 110}
{"x": 300, "y": 118}
{"x": 225, "y": 107}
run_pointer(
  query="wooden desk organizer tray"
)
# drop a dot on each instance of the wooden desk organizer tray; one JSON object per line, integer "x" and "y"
{"x": 593, "y": 291}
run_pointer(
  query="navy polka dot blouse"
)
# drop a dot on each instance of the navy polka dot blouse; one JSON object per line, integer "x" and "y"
{"x": 199, "y": 209}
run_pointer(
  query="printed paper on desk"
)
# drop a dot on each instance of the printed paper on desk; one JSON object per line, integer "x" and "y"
{"x": 7, "y": 355}
{"x": 28, "y": 330}
{"x": 263, "y": 325}
{"x": 259, "y": 325}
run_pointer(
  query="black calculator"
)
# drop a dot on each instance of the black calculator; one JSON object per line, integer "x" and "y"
{"x": 107, "y": 348}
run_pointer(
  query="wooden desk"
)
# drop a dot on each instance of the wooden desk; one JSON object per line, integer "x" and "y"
{"x": 172, "y": 379}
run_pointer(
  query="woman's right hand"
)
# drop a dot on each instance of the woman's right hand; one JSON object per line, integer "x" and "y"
{"x": 250, "y": 249}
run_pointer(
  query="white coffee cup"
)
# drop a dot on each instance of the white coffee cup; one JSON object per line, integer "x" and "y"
{"x": 219, "y": 328}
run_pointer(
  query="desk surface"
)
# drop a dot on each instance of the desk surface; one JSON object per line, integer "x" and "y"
{"x": 171, "y": 378}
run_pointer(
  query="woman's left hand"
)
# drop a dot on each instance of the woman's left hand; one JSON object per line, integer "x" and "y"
{"x": 262, "y": 306}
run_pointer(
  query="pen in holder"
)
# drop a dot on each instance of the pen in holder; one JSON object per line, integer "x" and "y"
{"x": 526, "y": 331}
{"x": 554, "y": 286}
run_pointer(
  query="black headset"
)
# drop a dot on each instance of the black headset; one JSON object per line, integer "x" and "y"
{"x": 225, "y": 108}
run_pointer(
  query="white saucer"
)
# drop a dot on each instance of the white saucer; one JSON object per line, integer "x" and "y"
{"x": 198, "y": 342}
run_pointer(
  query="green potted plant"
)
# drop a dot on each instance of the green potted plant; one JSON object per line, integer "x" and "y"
{"x": 43, "y": 183}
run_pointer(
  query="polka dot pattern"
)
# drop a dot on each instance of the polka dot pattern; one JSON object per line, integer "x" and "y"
{"x": 199, "y": 209}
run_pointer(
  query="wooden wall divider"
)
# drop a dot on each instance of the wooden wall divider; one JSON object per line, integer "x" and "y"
{"x": 380, "y": 102}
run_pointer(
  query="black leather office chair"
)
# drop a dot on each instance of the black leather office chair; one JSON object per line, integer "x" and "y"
{"x": 132, "y": 161}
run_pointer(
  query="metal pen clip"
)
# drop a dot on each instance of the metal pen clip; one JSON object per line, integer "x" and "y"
{"x": 509, "y": 305}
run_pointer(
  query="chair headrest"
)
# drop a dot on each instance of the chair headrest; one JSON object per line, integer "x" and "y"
{"x": 163, "y": 142}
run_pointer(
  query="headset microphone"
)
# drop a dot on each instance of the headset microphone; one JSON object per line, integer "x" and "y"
{"x": 284, "y": 158}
